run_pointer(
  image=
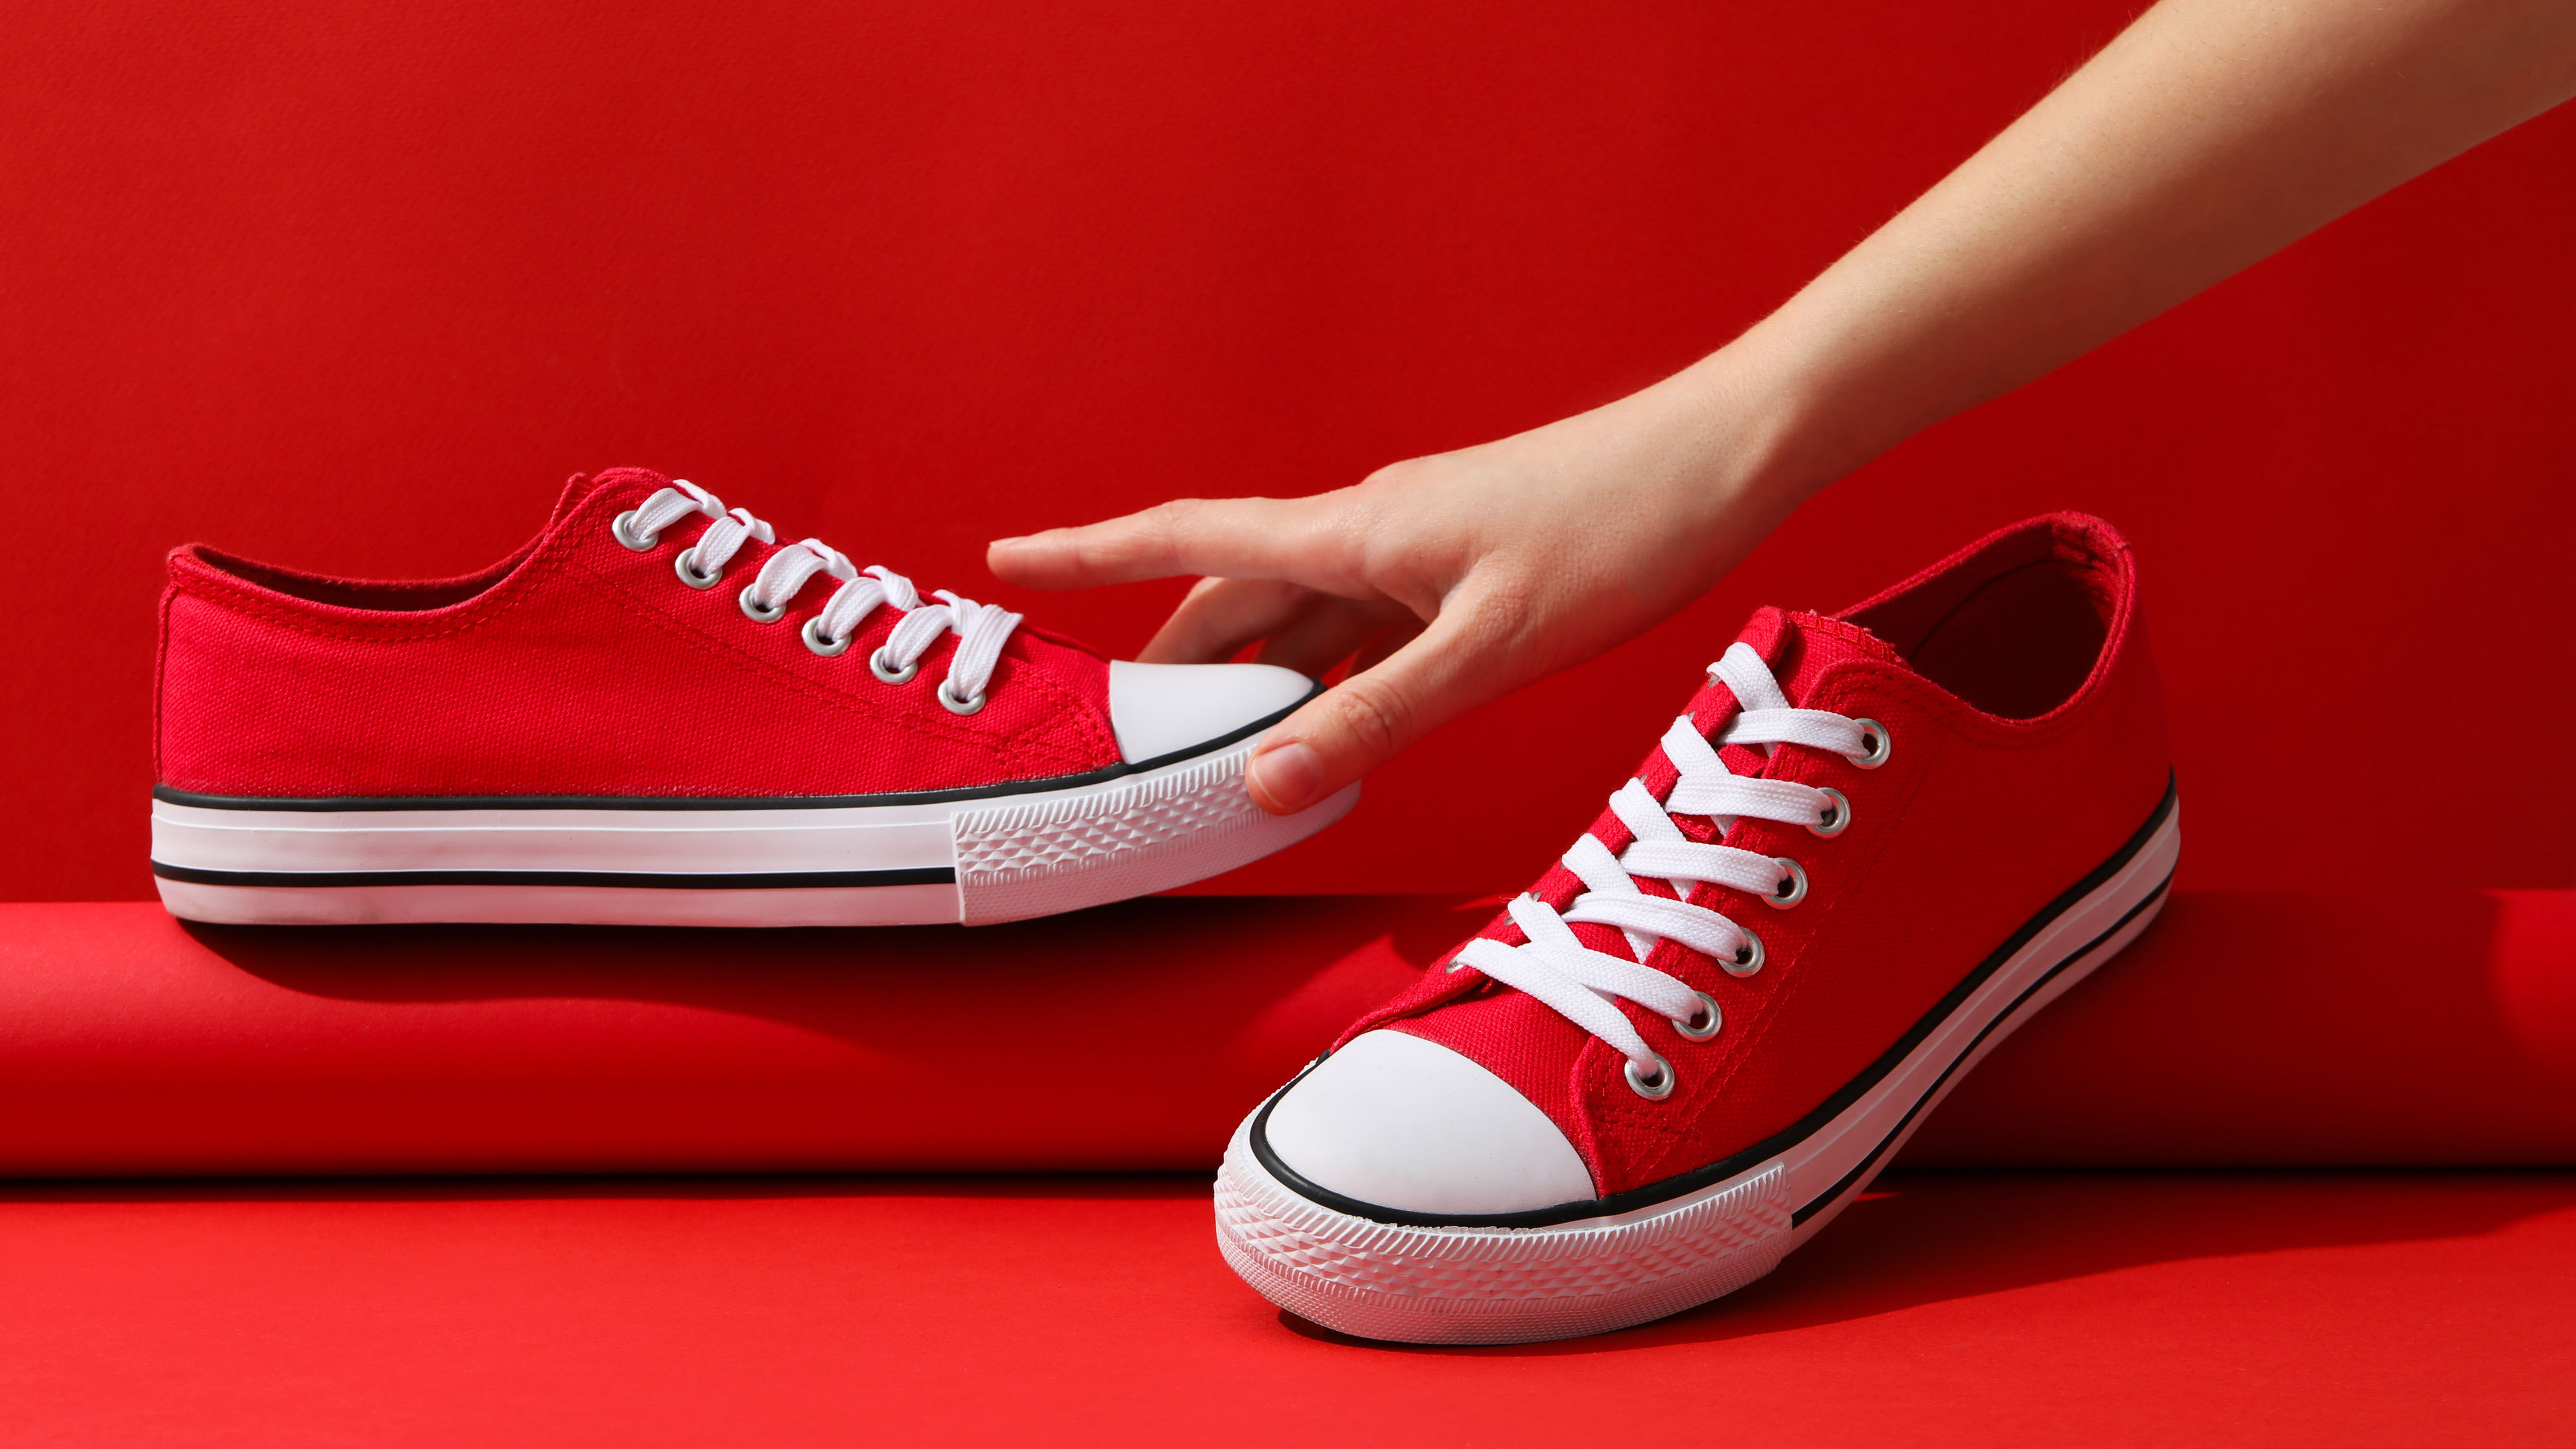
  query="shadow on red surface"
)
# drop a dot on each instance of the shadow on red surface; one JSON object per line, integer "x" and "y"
{"x": 1917, "y": 1239}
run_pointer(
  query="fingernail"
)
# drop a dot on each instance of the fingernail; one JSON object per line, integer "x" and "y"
{"x": 1287, "y": 779}
{"x": 1007, "y": 542}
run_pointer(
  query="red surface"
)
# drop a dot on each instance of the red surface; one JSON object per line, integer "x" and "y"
{"x": 586, "y": 669}
{"x": 1970, "y": 827}
{"x": 2244, "y": 1029}
{"x": 1968, "y": 1310}
{"x": 354, "y": 287}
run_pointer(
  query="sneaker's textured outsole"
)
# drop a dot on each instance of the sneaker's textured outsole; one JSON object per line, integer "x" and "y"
{"x": 982, "y": 859}
{"x": 1431, "y": 1284}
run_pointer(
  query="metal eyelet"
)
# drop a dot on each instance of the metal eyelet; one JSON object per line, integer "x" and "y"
{"x": 757, "y": 614}
{"x": 1836, "y": 818}
{"x": 1791, "y": 889}
{"x": 1747, "y": 959}
{"x": 624, "y": 527}
{"x": 828, "y": 648}
{"x": 1690, "y": 1031}
{"x": 1881, "y": 745}
{"x": 877, "y": 667}
{"x": 1653, "y": 1089}
{"x": 686, "y": 566}
{"x": 956, "y": 706}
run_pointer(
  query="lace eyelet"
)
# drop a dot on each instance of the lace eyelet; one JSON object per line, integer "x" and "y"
{"x": 878, "y": 667}
{"x": 623, "y": 526}
{"x": 1747, "y": 959}
{"x": 757, "y": 614}
{"x": 1836, "y": 818}
{"x": 956, "y": 706}
{"x": 1792, "y": 888}
{"x": 686, "y": 566}
{"x": 828, "y": 648}
{"x": 1708, "y": 1011}
{"x": 1881, "y": 745}
{"x": 1655, "y": 1088}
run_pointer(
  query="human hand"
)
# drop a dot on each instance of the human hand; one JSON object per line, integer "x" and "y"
{"x": 2207, "y": 135}
{"x": 1449, "y": 580}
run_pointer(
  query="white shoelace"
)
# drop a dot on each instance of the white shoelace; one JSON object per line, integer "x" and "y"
{"x": 1581, "y": 984}
{"x": 981, "y": 629}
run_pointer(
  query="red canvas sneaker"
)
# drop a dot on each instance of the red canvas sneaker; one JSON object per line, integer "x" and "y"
{"x": 656, "y": 713}
{"x": 1876, "y": 843}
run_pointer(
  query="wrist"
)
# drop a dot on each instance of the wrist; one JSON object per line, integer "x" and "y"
{"x": 1753, "y": 438}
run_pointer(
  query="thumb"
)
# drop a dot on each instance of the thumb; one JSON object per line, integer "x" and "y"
{"x": 1449, "y": 668}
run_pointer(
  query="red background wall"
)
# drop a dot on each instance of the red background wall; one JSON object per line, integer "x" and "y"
{"x": 355, "y": 286}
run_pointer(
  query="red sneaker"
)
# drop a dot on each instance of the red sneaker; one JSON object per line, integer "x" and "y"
{"x": 1675, "y": 1060}
{"x": 655, "y": 713}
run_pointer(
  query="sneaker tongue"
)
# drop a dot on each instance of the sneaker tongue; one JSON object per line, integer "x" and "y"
{"x": 1813, "y": 643}
{"x": 582, "y": 485}
{"x": 1799, "y": 647}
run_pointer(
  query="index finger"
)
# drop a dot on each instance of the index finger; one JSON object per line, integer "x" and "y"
{"x": 1236, "y": 538}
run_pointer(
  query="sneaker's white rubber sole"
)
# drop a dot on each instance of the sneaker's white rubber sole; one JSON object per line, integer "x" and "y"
{"x": 1421, "y": 1282}
{"x": 978, "y": 858}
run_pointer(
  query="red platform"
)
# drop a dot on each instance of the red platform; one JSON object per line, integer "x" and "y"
{"x": 2243, "y": 1029}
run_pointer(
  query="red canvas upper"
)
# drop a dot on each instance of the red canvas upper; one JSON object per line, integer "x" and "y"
{"x": 2029, "y": 745}
{"x": 578, "y": 666}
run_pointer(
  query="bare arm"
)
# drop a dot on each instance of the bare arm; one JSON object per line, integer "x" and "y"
{"x": 2208, "y": 135}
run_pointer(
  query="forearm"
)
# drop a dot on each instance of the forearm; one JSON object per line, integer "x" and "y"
{"x": 2210, "y": 134}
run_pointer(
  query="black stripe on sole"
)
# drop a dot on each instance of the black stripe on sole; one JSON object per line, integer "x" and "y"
{"x": 1888, "y": 1143}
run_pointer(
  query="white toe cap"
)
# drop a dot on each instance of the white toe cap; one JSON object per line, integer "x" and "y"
{"x": 1404, "y": 1123}
{"x": 1163, "y": 709}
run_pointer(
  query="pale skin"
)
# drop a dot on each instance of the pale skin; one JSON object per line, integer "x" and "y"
{"x": 2210, "y": 134}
